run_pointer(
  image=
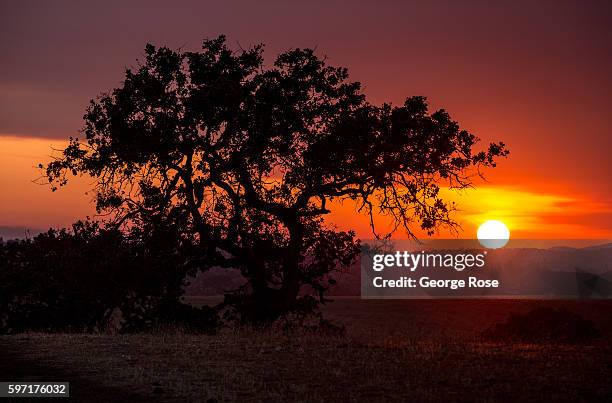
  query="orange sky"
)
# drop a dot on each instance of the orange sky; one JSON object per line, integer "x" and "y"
{"x": 534, "y": 76}
{"x": 529, "y": 213}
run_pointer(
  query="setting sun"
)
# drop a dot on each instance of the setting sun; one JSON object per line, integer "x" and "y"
{"x": 493, "y": 234}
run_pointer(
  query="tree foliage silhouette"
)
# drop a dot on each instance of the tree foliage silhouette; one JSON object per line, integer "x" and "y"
{"x": 248, "y": 158}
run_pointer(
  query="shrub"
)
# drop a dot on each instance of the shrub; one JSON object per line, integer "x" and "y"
{"x": 78, "y": 279}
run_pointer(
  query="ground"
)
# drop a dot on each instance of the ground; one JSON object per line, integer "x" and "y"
{"x": 406, "y": 350}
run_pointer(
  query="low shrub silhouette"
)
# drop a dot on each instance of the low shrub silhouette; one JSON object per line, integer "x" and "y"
{"x": 544, "y": 325}
{"x": 91, "y": 278}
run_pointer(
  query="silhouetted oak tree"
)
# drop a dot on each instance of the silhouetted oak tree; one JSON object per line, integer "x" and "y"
{"x": 250, "y": 157}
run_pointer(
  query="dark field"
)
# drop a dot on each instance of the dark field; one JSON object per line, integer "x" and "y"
{"x": 406, "y": 350}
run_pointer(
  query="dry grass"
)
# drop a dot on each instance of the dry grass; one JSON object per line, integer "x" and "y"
{"x": 393, "y": 351}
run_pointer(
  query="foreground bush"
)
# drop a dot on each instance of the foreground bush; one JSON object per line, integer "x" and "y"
{"x": 85, "y": 278}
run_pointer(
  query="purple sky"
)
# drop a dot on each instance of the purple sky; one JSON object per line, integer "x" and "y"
{"x": 534, "y": 74}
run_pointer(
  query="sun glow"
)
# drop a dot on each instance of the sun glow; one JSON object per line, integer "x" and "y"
{"x": 493, "y": 234}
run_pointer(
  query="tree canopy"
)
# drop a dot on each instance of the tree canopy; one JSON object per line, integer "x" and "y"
{"x": 247, "y": 157}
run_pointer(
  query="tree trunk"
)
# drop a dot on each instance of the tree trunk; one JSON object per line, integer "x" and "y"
{"x": 264, "y": 304}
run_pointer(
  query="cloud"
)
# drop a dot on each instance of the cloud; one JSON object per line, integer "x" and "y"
{"x": 528, "y": 213}
{"x": 532, "y": 214}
